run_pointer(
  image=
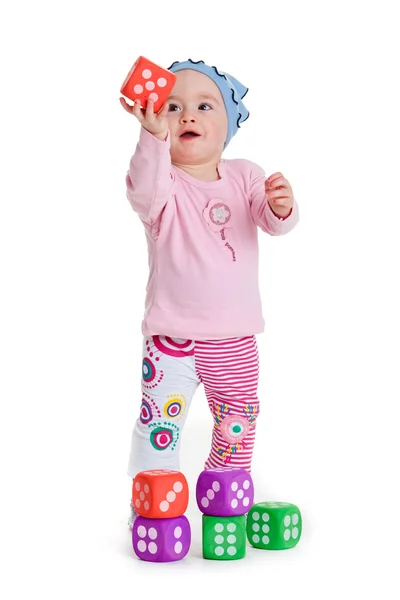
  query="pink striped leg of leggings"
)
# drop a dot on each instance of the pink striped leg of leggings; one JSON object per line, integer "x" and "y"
{"x": 172, "y": 370}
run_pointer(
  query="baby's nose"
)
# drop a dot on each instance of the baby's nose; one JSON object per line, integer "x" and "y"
{"x": 187, "y": 116}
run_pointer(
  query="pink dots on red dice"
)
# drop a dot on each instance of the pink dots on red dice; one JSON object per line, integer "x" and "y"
{"x": 147, "y": 80}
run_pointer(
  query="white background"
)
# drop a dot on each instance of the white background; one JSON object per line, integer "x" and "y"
{"x": 323, "y": 79}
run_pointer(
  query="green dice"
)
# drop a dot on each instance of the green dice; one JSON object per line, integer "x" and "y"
{"x": 224, "y": 538}
{"x": 274, "y": 525}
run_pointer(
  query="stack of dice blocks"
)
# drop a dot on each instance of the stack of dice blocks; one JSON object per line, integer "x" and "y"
{"x": 224, "y": 496}
{"x": 161, "y": 532}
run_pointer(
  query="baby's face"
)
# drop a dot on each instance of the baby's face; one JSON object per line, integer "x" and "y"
{"x": 196, "y": 105}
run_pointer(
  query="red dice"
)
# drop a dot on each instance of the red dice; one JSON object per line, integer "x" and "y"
{"x": 160, "y": 494}
{"x": 147, "y": 80}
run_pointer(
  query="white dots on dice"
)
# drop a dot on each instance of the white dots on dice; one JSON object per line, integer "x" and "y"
{"x": 138, "y": 89}
{"x": 231, "y": 539}
{"x": 150, "y": 85}
{"x": 286, "y": 535}
{"x": 234, "y": 486}
{"x": 231, "y": 527}
{"x": 265, "y": 540}
{"x": 171, "y": 496}
{"x": 137, "y": 503}
{"x": 141, "y": 546}
{"x": 141, "y": 531}
{"x": 210, "y": 494}
{"x": 265, "y": 517}
{"x": 246, "y": 501}
{"x": 141, "y": 495}
{"x": 234, "y": 503}
{"x": 161, "y": 81}
{"x": 256, "y": 538}
{"x": 246, "y": 484}
{"x": 146, "y": 506}
{"x": 265, "y": 528}
{"x": 256, "y": 516}
{"x": 219, "y": 550}
{"x": 219, "y": 539}
{"x": 286, "y": 521}
{"x": 146, "y": 74}
{"x": 215, "y": 486}
{"x": 178, "y": 547}
{"x": 231, "y": 550}
{"x": 164, "y": 506}
{"x": 295, "y": 519}
{"x": 295, "y": 533}
{"x": 137, "y": 486}
{"x": 205, "y": 502}
{"x": 219, "y": 527}
{"x": 153, "y": 96}
{"x": 152, "y": 548}
{"x": 256, "y": 527}
{"x": 178, "y": 486}
{"x": 177, "y": 532}
{"x": 152, "y": 533}
{"x": 240, "y": 494}
{"x": 146, "y": 489}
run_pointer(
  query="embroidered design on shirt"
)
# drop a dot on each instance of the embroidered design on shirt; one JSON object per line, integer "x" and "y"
{"x": 218, "y": 217}
{"x": 220, "y": 214}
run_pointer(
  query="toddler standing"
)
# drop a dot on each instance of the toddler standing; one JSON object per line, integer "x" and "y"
{"x": 203, "y": 307}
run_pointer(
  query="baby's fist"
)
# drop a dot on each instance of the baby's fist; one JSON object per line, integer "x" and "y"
{"x": 279, "y": 195}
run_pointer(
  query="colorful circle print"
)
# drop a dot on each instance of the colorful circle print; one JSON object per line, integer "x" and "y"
{"x": 148, "y": 370}
{"x": 173, "y": 347}
{"x": 175, "y": 406}
{"x": 161, "y": 438}
{"x": 234, "y": 428}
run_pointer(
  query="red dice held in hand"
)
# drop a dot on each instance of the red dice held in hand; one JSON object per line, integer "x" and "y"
{"x": 147, "y": 80}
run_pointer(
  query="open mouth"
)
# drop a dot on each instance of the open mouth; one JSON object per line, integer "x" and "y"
{"x": 189, "y": 135}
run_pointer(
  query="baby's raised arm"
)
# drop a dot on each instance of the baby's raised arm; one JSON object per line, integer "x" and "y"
{"x": 149, "y": 181}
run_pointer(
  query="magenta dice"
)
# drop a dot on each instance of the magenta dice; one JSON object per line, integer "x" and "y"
{"x": 161, "y": 540}
{"x": 225, "y": 492}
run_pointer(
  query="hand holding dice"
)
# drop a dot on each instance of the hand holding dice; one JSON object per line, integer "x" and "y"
{"x": 148, "y": 86}
{"x": 279, "y": 195}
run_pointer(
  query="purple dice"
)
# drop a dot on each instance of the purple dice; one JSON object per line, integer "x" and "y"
{"x": 161, "y": 540}
{"x": 225, "y": 492}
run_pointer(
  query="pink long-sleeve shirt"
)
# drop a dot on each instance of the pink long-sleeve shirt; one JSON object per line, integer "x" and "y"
{"x": 202, "y": 243}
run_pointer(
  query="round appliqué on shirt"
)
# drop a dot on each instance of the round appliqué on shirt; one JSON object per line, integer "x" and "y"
{"x": 217, "y": 215}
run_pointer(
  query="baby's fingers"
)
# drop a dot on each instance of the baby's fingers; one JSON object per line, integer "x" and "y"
{"x": 163, "y": 110}
{"x": 125, "y": 105}
{"x": 150, "y": 110}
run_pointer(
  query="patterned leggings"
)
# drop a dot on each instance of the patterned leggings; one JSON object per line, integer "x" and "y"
{"x": 172, "y": 370}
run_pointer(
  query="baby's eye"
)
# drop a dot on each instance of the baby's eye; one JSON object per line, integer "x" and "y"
{"x": 173, "y": 108}
{"x": 204, "y": 104}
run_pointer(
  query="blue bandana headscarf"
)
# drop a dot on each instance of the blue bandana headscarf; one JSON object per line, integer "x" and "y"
{"x": 231, "y": 89}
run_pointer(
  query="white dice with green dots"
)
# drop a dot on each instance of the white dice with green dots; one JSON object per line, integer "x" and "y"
{"x": 274, "y": 525}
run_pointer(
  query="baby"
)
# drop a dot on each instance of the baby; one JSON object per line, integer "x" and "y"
{"x": 203, "y": 307}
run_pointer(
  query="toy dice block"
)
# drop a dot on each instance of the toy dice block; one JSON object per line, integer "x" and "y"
{"x": 161, "y": 540}
{"x": 224, "y": 491}
{"x": 160, "y": 494}
{"x": 147, "y": 80}
{"x": 274, "y": 525}
{"x": 224, "y": 538}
